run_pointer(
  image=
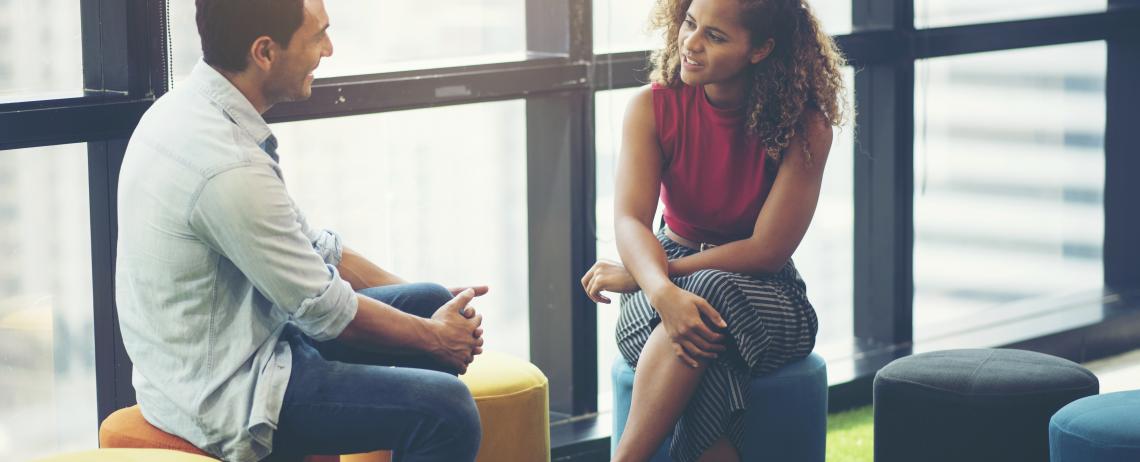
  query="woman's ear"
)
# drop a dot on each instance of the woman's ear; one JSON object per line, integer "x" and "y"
{"x": 761, "y": 52}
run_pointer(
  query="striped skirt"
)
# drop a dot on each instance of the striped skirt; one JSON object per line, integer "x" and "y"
{"x": 770, "y": 323}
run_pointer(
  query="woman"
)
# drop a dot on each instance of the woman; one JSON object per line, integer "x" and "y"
{"x": 732, "y": 136}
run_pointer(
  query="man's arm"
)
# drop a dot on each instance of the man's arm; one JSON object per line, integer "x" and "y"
{"x": 450, "y": 335}
{"x": 247, "y": 216}
{"x": 361, "y": 273}
{"x": 353, "y": 267}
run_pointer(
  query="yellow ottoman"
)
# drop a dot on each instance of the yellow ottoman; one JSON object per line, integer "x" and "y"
{"x": 513, "y": 402}
{"x": 128, "y": 455}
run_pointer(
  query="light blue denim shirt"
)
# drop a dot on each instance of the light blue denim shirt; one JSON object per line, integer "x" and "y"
{"x": 214, "y": 259}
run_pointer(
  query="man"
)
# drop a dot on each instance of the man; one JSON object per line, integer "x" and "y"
{"x": 246, "y": 330}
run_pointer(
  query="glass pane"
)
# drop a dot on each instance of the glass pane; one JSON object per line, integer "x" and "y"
{"x": 623, "y": 25}
{"x": 609, "y": 107}
{"x": 450, "y": 209}
{"x": 41, "y": 52}
{"x": 835, "y": 15}
{"x": 1009, "y": 183}
{"x": 941, "y": 13}
{"x": 372, "y": 36}
{"x": 824, "y": 258}
{"x": 47, "y": 333}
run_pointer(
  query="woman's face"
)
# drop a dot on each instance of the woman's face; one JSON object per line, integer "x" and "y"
{"x": 714, "y": 46}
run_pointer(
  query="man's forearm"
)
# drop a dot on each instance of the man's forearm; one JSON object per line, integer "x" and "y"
{"x": 362, "y": 274}
{"x": 382, "y": 328}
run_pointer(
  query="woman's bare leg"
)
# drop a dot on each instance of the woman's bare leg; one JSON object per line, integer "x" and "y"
{"x": 662, "y": 386}
{"x": 721, "y": 450}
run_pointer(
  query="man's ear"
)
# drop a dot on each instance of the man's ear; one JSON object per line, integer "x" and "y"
{"x": 262, "y": 52}
{"x": 761, "y": 52}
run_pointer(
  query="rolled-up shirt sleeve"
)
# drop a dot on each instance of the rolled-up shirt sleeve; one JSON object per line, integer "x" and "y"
{"x": 246, "y": 214}
{"x": 325, "y": 242}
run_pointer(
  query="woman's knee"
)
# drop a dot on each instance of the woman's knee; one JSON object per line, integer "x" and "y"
{"x": 710, "y": 275}
{"x": 714, "y": 286}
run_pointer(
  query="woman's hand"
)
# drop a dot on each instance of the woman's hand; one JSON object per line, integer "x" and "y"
{"x": 610, "y": 276}
{"x": 691, "y": 324}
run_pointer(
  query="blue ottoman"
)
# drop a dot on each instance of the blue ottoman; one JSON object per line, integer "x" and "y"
{"x": 1102, "y": 428}
{"x": 786, "y": 417}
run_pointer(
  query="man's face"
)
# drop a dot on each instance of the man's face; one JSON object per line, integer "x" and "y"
{"x": 291, "y": 77}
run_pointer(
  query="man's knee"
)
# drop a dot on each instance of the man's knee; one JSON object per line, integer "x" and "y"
{"x": 468, "y": 428}
{"x": 429, "y": 294}
{"x": 457, "y": 414}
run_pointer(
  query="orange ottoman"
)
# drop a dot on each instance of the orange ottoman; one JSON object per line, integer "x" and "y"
{"x": 127, "y": 455}
{"x": 126, "y": 428}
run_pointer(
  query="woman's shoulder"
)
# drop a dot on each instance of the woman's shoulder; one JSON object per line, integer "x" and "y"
{"x": 662, "y": 91}
{"x": 816, "y": 127}
{"x": 652, "y": 101}
{"x": 815, "y": 136}
{"x": 664, "y": 102}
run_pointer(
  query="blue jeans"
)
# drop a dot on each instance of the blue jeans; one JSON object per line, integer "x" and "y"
{"x": 342, "y": 400}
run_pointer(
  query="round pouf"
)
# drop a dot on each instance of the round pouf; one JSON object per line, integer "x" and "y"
{"x": 126, "y": 428}
{"x": 513, "y": 400}
{"x": 127, "y": 455}
{"x": 511, "y": 395}
{"x": 1102, "y": 428}
{"x": 977, "y": 405}
{"x": 786, "y": 417}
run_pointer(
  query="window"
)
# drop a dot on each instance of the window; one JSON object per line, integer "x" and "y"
{"x": 1009, "y": 183}
{"x": 938, "y": 13}
{"x": 47, "y": 358}
{"x": 432, "y": 195}
{"x": 1012, "y": 221}
{"x": 623, "y": 25}
{"x": 372, "y": 36}
{"x": 41, "y": 55}
{"x": 825, "y": 257}
{"x": 609, "y": 108}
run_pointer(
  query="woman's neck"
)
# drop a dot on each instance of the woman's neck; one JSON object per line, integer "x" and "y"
{"x": 725, "y": 95}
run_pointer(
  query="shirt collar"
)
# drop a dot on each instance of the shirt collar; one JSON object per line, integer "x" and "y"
{"x": 235, "y": 105}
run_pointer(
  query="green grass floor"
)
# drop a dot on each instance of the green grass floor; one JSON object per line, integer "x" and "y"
{"x": 850, "y": 435}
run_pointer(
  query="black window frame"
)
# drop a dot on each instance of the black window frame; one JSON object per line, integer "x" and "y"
{"x": 125, "y": 48}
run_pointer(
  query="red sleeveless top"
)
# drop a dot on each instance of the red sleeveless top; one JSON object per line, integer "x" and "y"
{"x": 713, "y": 183}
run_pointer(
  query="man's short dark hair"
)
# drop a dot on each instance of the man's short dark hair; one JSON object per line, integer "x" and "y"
{"x": 229, "y": 27}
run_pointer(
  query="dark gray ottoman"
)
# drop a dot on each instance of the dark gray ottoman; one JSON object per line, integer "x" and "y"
{"x": 973, "y": 405}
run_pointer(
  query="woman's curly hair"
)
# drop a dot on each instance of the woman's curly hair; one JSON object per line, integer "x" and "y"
{"x": 803, "y": 70}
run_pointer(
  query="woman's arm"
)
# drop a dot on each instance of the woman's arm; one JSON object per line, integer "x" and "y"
{"x": 785, "y": 217}
{"x": 683, "y": 314}
{"x": 636, "y": 196}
